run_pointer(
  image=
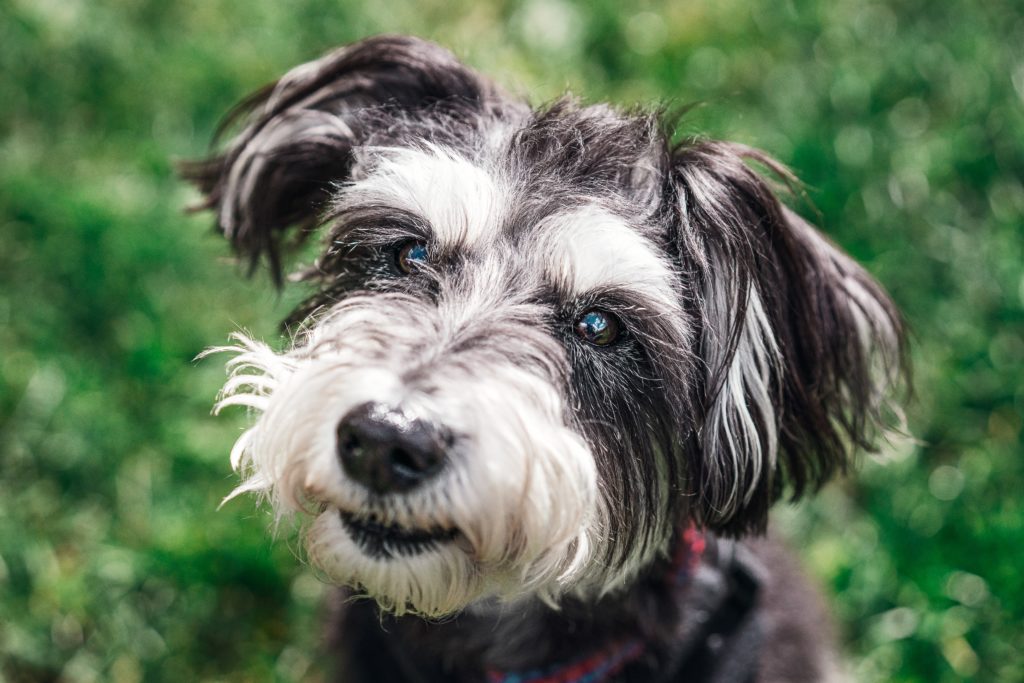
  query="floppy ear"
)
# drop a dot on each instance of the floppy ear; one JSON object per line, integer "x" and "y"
{"x": 802, "y": 346}
{"x": 298, "y": 135}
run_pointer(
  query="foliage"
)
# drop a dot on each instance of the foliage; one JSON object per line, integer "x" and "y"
{"x": 904, "y": 118}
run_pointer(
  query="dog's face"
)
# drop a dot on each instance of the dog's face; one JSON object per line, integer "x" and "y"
{"x": 538, "y": 343}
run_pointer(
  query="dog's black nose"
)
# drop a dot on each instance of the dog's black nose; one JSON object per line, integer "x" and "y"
{"x": 387, "y": 451}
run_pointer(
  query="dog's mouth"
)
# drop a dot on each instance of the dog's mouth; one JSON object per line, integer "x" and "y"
{"x": 387, "y": 541}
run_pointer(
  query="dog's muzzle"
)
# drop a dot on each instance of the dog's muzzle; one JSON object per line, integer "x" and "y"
{"x": 388, "y": 451}
{"x": 434, "y": 459}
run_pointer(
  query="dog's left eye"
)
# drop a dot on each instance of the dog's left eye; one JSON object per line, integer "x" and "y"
{"x": 411, "y": 256}
{"x": 598, "y": 327}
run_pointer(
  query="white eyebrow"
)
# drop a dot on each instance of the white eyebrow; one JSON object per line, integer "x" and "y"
{"x": 591, "y": 249}
{"x": 461, "y": 201}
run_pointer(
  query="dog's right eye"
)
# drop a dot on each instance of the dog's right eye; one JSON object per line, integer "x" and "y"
{"x": 597, "y": 327}
{"x": 411, "y": 256}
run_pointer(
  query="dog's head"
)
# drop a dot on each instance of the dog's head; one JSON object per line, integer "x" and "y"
{"x": 539, "y": 341}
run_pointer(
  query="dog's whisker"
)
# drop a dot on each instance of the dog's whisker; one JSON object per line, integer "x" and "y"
{"x": 253, "y": 401}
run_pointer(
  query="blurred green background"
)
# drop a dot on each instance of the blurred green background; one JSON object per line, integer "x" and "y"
{"x": 904, "y": 118}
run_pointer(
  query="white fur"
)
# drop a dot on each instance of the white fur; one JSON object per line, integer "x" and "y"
{"x": 736, "y": 447}
{"x": 522, "y": 488}
{"x": 591, "y": 249}
{"x": 462, "y": 202}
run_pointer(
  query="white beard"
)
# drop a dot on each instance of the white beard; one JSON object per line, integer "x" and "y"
{"x": 520, "y": 486}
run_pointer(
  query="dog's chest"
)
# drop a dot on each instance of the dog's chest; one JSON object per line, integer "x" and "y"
{"x": 697, "y": 621}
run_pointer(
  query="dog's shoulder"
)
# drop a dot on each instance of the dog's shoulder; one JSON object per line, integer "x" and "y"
{"x": 794, "y": 620}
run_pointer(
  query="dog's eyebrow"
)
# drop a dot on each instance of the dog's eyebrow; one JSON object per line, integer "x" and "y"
{"x": 375, "y": 222}
{"x": 459, "y": 200}
{"x": 591, "y": 250}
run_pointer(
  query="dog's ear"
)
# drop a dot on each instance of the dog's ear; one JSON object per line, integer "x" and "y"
{"x": 802, "y": 347}
{"x": 296, "y": 143}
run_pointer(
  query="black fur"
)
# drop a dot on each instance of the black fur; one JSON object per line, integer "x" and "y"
{"x": 374, "y": 648}
{"x": 824, "y": 388}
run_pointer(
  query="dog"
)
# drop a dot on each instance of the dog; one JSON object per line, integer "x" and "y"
{"x": 552, "y": 371}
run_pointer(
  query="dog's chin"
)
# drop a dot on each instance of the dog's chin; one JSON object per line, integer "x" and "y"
{"x": 426, "y": 571}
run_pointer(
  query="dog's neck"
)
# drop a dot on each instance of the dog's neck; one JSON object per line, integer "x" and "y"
{"x": 600, "y": 639}
{"x": 653, "y": 626}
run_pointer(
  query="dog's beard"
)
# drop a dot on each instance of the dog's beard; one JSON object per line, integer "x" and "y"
{"x": 517, "y": 510}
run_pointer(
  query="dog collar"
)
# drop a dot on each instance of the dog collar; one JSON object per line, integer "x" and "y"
{"x": 602, "y": 665}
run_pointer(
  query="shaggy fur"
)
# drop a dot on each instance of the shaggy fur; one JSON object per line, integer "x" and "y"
{"x": 752, "y": 357}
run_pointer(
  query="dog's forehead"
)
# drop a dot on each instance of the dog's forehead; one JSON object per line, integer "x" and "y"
{"x": 460, "y": 201}
{"x": 589, "y": 248}
{"x": 480, "y": 206}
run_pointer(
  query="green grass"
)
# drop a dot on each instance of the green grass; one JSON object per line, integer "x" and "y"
{"x": 906, "y": 120}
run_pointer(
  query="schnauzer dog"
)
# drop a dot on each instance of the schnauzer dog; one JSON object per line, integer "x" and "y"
{"x": 552, "y": 366}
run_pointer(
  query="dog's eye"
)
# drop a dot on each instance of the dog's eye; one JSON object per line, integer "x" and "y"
{"x": 597, "y": 327}
{"x": 411, "y": 256}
